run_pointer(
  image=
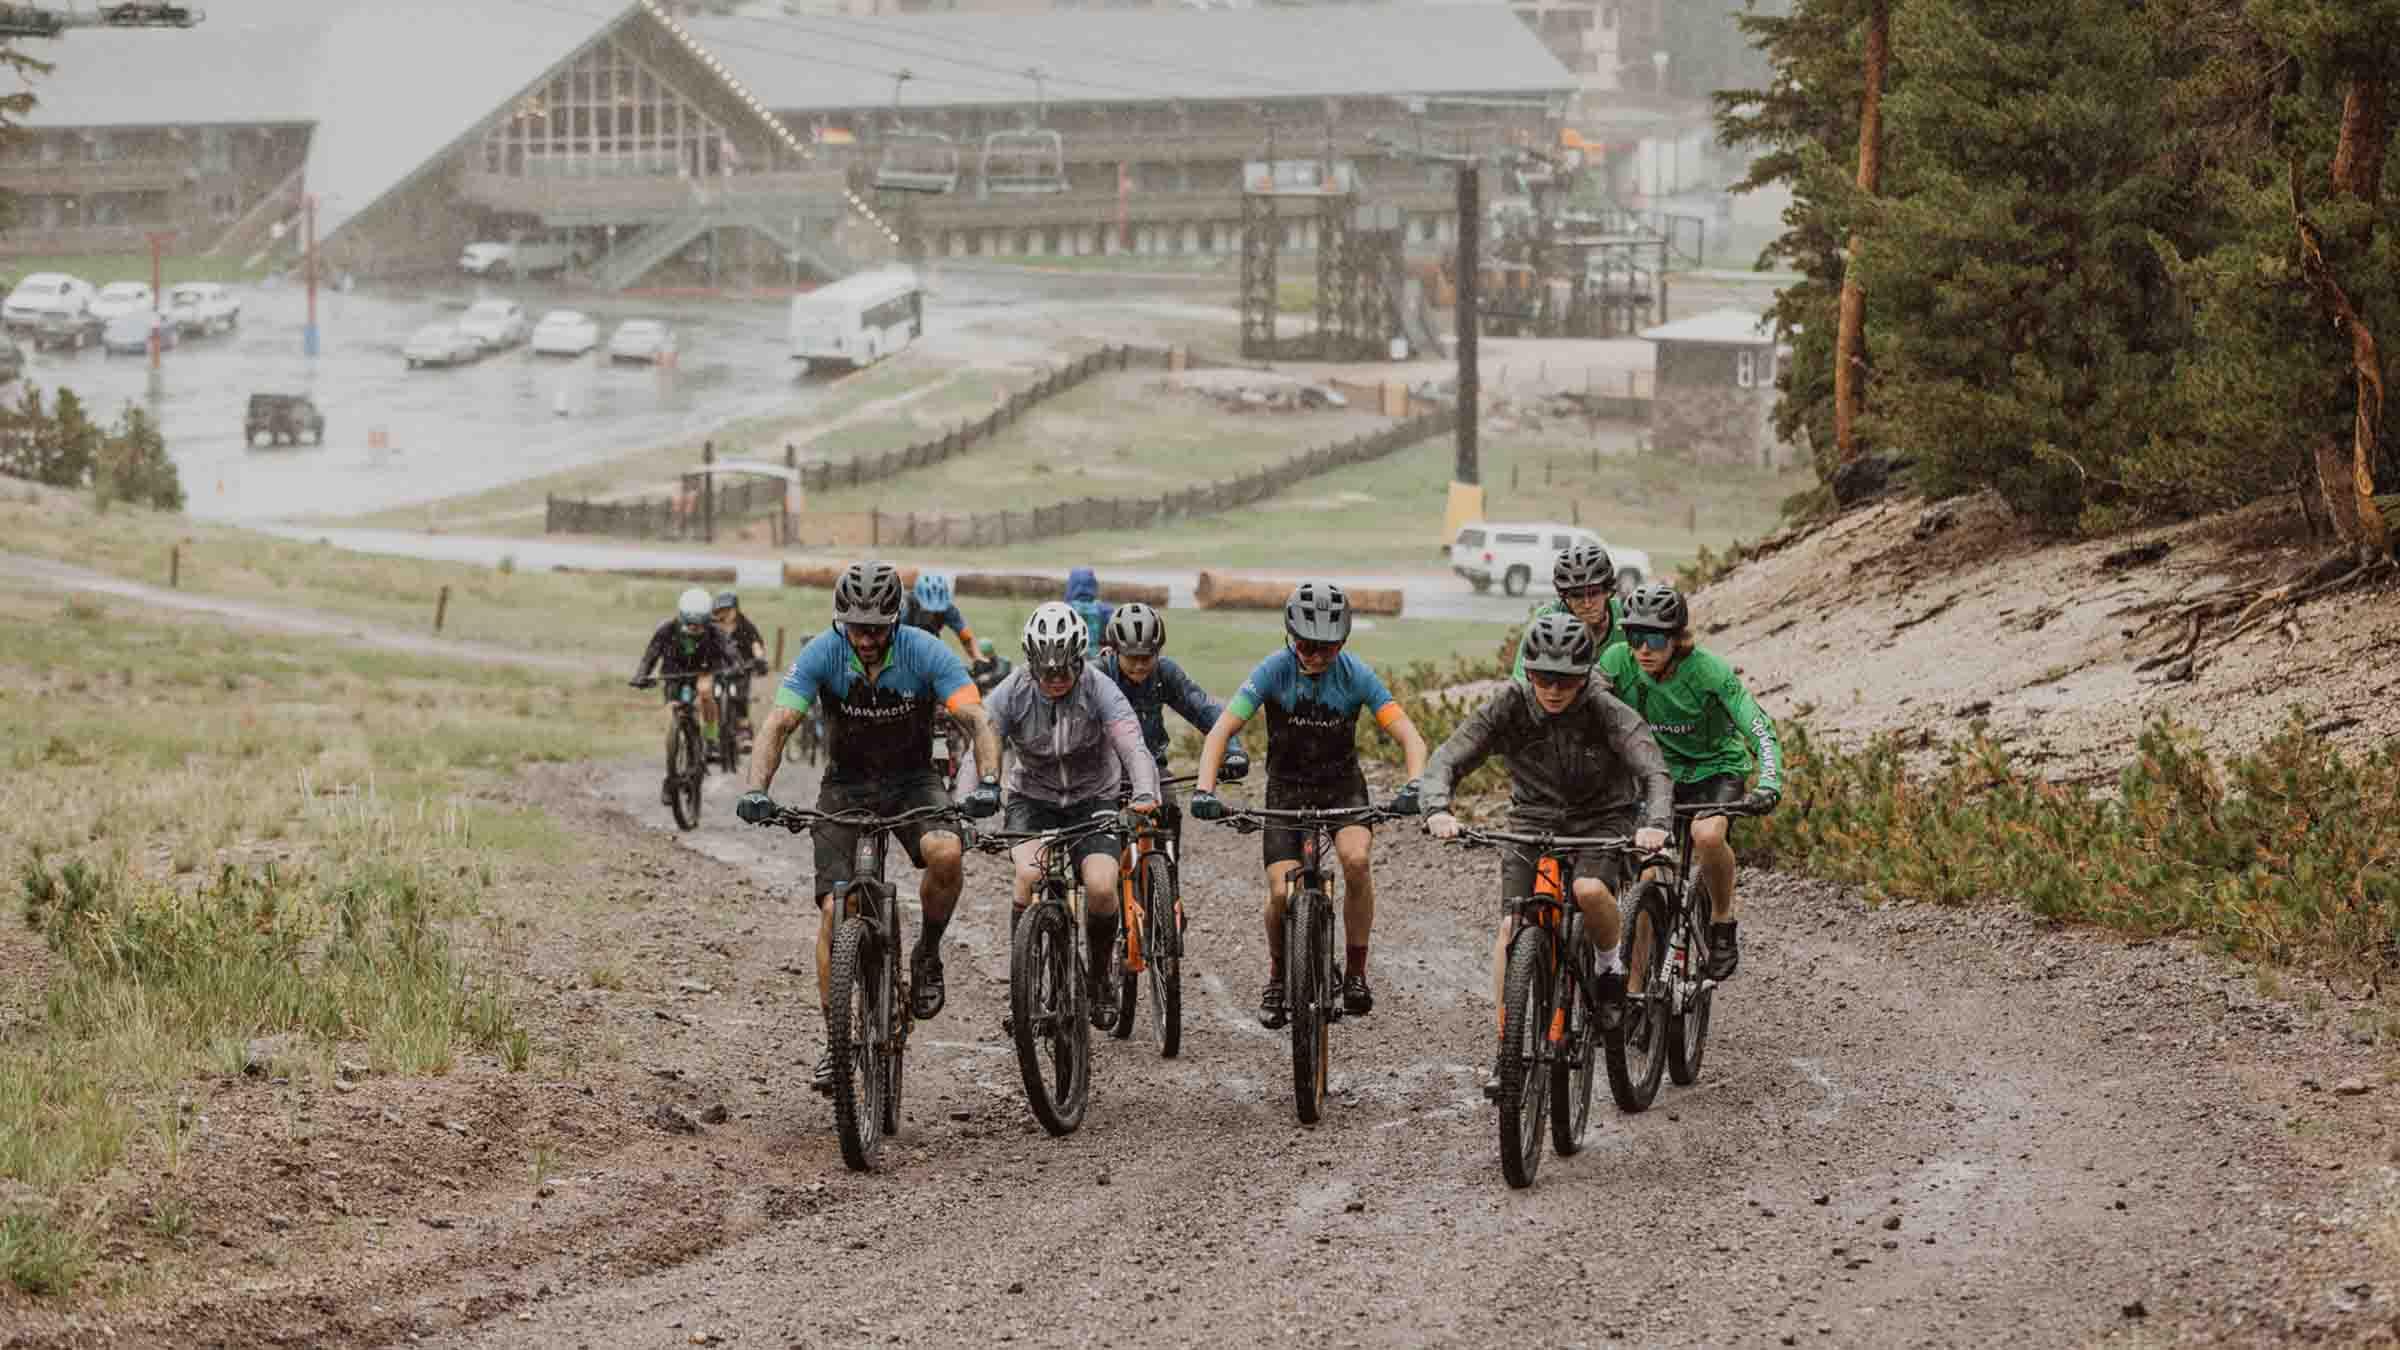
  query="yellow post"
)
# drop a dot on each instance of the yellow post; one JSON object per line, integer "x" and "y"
{"x": 1464, "y": 507}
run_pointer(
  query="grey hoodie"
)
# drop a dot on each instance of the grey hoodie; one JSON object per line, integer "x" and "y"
{"x": 1587, "y": 761}
{"x": 1079, "y": 748}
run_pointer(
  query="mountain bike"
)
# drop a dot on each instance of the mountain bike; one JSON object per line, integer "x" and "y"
{"x": 1312, "y": 972}
{"x": 1150, "y": 933}
{"x": 733, "y": 715}
{"x": 687, "y": 759}
{"x": 1673, "y": 999}
{"x": 1047, "y": 1014}
{"x": 807, "y": 742}
{"x": 1549, "y": 1005}
{"x": 867, "y": 1011}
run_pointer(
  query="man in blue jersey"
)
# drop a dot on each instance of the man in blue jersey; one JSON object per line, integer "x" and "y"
{"x": 880, "y": 684}
{"x": 1313, "y": 691}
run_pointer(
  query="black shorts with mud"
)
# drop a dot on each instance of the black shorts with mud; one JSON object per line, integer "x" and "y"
{"x": 1026, "y": 814}
{"x": 1609, "y": 867}
{"x": 836, "y": 844}
{"x": 1722, "y": 789}
{"x": 1283, "y": 843}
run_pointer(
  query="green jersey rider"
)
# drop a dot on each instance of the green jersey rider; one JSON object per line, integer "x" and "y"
{"x": 1586, "y": 582}
{"x": 1709, "y": 728}
{"x": 1312, "y": 692}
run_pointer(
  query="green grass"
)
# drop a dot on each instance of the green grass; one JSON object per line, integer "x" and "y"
{"x": 102, "y": 268}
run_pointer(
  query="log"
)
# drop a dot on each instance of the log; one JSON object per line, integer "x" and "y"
{"x": 996, "y": 585}
{"x": 690, "y": 575}
{"x": 1217, "y": 592}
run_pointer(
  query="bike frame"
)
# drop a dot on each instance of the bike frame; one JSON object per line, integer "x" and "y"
{"x": 1148, "y": 835}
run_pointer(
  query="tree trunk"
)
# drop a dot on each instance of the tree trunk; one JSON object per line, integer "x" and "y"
{"x": 2357, "y": 173}
{"x": 1849, "y": 342}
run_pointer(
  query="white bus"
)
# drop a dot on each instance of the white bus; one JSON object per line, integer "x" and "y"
{"x": 858, "y": 320}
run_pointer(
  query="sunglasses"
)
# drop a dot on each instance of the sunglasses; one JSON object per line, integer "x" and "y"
{"x": 1316, "y": 650}
{"x": 1543, "y": 679}
{"x": 867, "y": 632}
{"x": 1583, "y": 593}
{"x": 1645, "y": 637}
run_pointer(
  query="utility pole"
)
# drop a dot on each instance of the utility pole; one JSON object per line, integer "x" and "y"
{"x": 159, "y": 239}
{"x": 1469, "y": 469}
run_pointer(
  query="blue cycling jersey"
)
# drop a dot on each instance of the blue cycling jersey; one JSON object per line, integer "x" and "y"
{"x": 877, "y": 728}
{"x": 1312, "y": 720}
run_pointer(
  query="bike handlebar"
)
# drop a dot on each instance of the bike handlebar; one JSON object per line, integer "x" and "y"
{"x": 1000, "y": 841}
{"x": 1493, "y": 838}
{"x": 798, "y": 818}
{"x": 1251, "y": 819}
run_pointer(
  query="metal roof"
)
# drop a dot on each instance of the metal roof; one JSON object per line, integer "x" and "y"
{"x": 246, "y": 65}
{"x": 827, "y": 62}
{"x": 1730, "y": 327}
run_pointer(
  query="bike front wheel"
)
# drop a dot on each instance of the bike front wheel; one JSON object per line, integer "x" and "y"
{"x": 1687, "y": 1024}
{"x": 850, "y": 1037}
{"x": 683, "y": 773}
{"x": 1121, "y": 982}
{"x": 1162, "y": 941}
{"x": 1636, "y": 1049}
{"x": 1054, "y": 1039}
{"x": 1526, "y": 1027}
{"x": 1308, "y": 999}
{"x": 891, "y": 1024}
{"x": 1571, "y": 1069}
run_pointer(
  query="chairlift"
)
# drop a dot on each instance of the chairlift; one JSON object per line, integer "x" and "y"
{"x": 1031, "y": 158}
{"x": 915, "y": 159}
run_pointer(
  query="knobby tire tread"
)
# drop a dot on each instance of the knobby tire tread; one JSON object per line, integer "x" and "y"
{"x": 1571, "y": 1076}
{"x": 1524, "y": 1080}
{"x": 1166, "y": 972}
{"x": 856, "y": 1113}
{"x": 1305, "y": 963}
{"x": 1046, "y": 935}
{"x": 1635, "y": 1085}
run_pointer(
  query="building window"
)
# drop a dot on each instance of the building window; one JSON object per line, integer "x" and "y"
{"x": 1745, "y": 369}
{"x": 607, "y": 116}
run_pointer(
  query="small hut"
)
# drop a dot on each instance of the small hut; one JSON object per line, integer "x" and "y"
{"x": 1715, "y": 388}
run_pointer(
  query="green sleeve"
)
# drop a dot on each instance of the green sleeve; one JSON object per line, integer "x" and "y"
{"x": 1616, "y": 662}
{"x": 1752, "y": 721}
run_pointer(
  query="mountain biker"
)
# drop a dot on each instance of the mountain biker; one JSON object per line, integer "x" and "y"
{"x": 989, "y": 667}
{"x": 1577, "y": 757}
{"x": 1075, "y": 743}
{"x": 1586, "y": 582}
{"x": 880, "y": 683}
{"x": 932, "y": 606}
{"x": 1083, "y": 596}
{"x": 749, "y": 645}
{"x": 689, "y": 647}
{"x": 1709, "y": 728}
{"x": 1312, "y": 691}
{"x": 1152, "y": 683}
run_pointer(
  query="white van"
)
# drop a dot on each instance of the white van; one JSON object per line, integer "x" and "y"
{"x": 1519, "y": 554}
{"x": 858, "y": 320}
{"x": 531, "y": 256}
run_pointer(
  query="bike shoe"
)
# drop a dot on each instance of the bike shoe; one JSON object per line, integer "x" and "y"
{"x": 1104, "y": 1007}
{"x": 1724, "y": 953}
{"x": 822, "y": 1080}
{"x": 1357, "y": 999}
{"x": 1491, "y": 1086}
{"x": 666, "y": 792}
{"x": 1612, "y": 999}
{"x": 926, "y": 992}
{"x": 1271, "y": 1012}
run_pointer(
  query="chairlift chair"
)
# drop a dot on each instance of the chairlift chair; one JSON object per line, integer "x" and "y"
{"x": 915, "y": 159}
{"x": 1031, "y": 158}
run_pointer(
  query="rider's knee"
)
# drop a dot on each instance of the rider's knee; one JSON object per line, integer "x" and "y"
{"x": 1709, "y": 832}
{"x": 942, "y": 852}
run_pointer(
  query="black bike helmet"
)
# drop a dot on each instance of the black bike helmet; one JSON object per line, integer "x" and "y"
{"x": 1657, "y": 607}
{"x": 1581, "y": 567}
{"x": 1137, "y": 630}
{"x": 1559, "y": 644}
{"x": 869, "y": 592}
{"x": 728, "y": 600}
{"x": 1317, "y": 612}
{"x": 1056, "y": 638}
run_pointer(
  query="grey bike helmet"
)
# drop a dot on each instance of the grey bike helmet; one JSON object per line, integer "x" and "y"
{"x": 728, "y": 600}
{"x": 1056, "y": 639}
{"x": 869, "y": 592}
{"x": 1559, "y": 644}
{"x": 1317, "y": 612}
{"x": 691, "y": 608}
{"x": 1657, "y": 607}
{"x": 1581, "y": 567}
{"x": 1137, "y": 630}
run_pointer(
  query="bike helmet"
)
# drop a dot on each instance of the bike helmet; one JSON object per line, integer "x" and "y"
{"x": 1581, "y": 567}
{"x": 1317, "y": 612}
{"x": 1657, "y": 607}
{"x": 933, "y": 591}
{"x": 1559, "y": 644}
{"x": 869, "y": 592}
{"x": 728, "y": 600}
{"x": 1137, "y": 630}
{"x": 1055, "y": 640}
{"x": 691, "y": 608}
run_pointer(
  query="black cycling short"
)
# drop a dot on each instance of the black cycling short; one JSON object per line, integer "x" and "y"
{"x": 667, "y": 685}
{"x": 835, "y": 844}
{"x": 1720, "y": 789}
{"x": 1283, "y": 843}
{"x": 1025, "y": 813}
{"x": 1610, "y": 867}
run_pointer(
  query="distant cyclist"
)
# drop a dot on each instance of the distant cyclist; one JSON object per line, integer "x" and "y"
{"x": 1711, "y": 731}
{"x": 881, "y": 685}
{"x": 688, "y": 647}
{"x": 1313, "y": 691}
{"x": 1586, "y": 582}
{"x": 932, "y": 605}
{"x": 989, "y": 667}
{"x": 1153, "y": 683}
{"x": 1083, "y": 596}
{"x": 751, "y": 647}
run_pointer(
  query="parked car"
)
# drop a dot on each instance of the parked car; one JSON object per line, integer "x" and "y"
{"x": 282, "y": 419}
{"x": 494, "y": 323}
{"x": 641, "y": 340}
{"x": 123, "y": 297}
{"x": 1518, "y": 554}
{"x": 203, "y": 307}
{"x": 565, "y": 332}
{"x": 129, "y": 334}
{"x": 44, "y": 293}
{"x": 75, "y": 328}
{"x": 441, "y": 344}
{"x": 12, "y": 360}
{"x": 538, "y": 256}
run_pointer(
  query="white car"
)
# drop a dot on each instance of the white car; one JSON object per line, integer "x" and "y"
{"x": 44, "y": 294}
{"x": 441, "y": 344}
{"x": 123, "y": 297}
{"x": 1518, "y": 554}
{"x": 494, "y": 323}
{"x": 483, "y": 259}
{"x": 641, "y": 340}
{"x": 203, "y": 307}
{"x": 565, "y": 332}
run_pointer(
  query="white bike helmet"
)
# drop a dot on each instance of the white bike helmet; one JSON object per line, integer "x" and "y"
{"x": 1055, "y": 640}
{"x": 692, "y": 609}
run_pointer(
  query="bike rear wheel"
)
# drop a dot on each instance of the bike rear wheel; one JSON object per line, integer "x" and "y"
{"x": 891, "y": 1023}
{"x": 1162, "y": 943}
{"x": 729, "y": 741}
{"x": 1307, "y": 967}
{"x": 683, "y": 773}
{"x": 1527, "y": 1005}
{"x": 1122, "y": 982}
{"x": 1054, "y": 1040}
{"x": 858, "y": 1074}
{"x": 1571, "y": 1071}
{"x": 1687, "y": 1027}
{"x": 1636, "y": 1049}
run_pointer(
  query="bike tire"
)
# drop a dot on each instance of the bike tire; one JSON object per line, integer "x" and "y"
{"x": 1163, "y": 942}
{"x": 1526, "y": 1005}
{"x": 729, "y": 743}
{"x": 850, "y": 1038}
{"x": 1687, "y": 1027}
{"x": 892, "y": 1021}
{"x": 1635, "y": 1048}
{"x": 1047, "y": 1021}
{"x": 1122, "y": 982}
{"x": 1306, "y": 960}
{"x": 1571, "y": 1072}
{"x": 683, "y": 773}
